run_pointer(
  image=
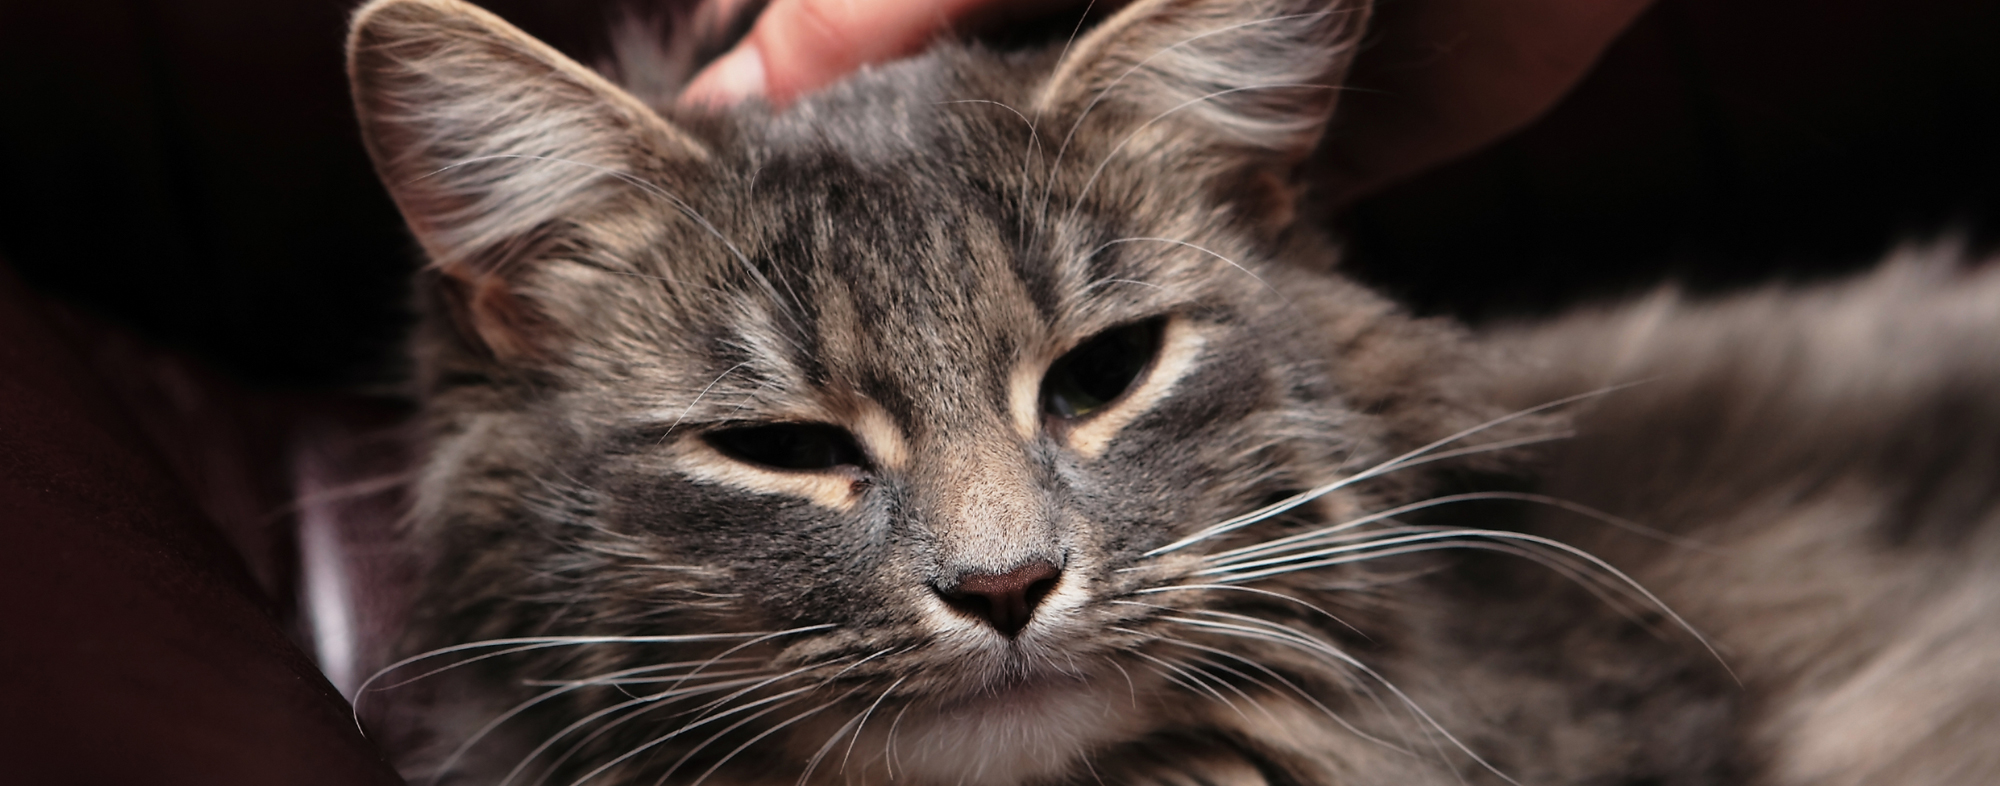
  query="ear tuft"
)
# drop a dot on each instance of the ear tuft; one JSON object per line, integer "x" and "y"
{"x": 491, "y": 143}
{"x": 1258, "y": 75}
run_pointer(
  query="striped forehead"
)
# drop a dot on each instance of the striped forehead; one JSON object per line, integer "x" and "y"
{"x": 919, "y": 292}
{"x": 919, "y": 303}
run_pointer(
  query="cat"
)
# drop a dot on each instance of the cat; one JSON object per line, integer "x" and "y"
{"x": 990, "y": 419}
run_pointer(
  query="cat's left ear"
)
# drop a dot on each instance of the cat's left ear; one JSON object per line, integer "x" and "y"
{"x": 495, "y": 147}
{"x": 1222, "y": 83}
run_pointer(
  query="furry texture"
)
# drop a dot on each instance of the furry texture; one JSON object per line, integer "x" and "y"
{"x": 1312, "y": 541}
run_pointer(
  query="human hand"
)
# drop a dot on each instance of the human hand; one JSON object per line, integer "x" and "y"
{"x": 1439, "y": 78}
{"x": 798, "y": 46}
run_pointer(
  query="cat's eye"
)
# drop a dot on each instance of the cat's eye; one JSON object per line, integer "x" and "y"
{"x": 1100, "y": 370}
{"x": 790, "y": 446}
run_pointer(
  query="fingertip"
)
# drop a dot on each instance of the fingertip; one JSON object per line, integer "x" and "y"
{"x": 729, "y": 80}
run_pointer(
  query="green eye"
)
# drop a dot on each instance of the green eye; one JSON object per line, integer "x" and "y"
{"x": 1100, "y": 370}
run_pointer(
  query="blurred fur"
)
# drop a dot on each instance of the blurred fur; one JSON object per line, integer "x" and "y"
{"x": 1319, "y": 542}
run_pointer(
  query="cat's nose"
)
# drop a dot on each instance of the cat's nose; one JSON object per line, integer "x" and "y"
{"x": 1004, "y": 600}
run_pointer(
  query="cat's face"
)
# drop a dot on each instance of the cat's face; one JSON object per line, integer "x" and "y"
{"x": 914, "y": 401}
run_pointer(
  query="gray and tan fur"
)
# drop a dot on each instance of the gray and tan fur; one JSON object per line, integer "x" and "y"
{"x": 1313, "y": 541}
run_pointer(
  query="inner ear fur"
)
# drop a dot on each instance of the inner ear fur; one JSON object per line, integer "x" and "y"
{"x": 1255, "y": 79}
{"x": 494, "y": 145}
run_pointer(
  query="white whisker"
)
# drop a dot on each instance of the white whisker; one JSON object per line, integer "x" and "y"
{"x": 1284, "y": 635}
{"x": 753, "y": 740}
{"x": 1214, "y": 664}
{"x": 889, "y": 747}
{"x": 1180, "y": 680}
{"x": 645, "y": 704}
{"x": 561, "y": 688}
{"x": 1238, "y": 556}
{"x": 749, "y": 685}
{"x": 523, "y": 644}
{"x": 1310, "y": 699}
{"x": 697, "y": 400}
{"x": 1557, "y": 545}
{"x": 845, "y": 757}
{"x": 1184, "y": 244}
{"x": 677, "y": 678}
{"x": 1194, "y": 679}
{"x": 1253, "y": 590}
{"x": 703, "y": 721}
{"x": 1379, "y": 469}
{"x": 1131, "y": 688}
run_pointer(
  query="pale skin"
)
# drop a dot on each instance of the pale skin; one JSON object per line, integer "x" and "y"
{"x": 1438, "y": 79}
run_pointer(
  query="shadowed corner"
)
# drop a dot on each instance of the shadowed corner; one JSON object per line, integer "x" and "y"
{"x": 143, "y": 649}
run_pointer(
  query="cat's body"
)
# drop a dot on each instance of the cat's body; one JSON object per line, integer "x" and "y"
{"x": 908, "y": 436}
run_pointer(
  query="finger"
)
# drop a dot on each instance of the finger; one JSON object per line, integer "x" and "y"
{"x": 799, "y": 45}
{"x": 1450, "y": 76}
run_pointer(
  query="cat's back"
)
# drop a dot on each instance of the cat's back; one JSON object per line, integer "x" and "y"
{"x": 1831, "y": 457}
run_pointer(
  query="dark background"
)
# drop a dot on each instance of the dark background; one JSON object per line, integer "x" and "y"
{"x": 189, "y": 168}
{"x": 182, "y": 179}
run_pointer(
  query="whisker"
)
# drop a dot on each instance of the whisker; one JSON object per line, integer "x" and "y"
{"x": 1131, "y": 688}
{"x": 1362, "y": 687}
{"x": 562, "y": 688}
{"x": 1027, "y": 155}
{"x": 1284, "y": 635}
{"x": 740, "y": 723}
{"x": 1307, "y": 538}
{"x": 655, "y": 742}
{"x": 1241, "y": 557}
{"x": 523, "y": 644}
{"x": 751, "y": 684}
{"x": 889, "y": 747}
{"x": 1194, "y": 679}
{"x": 434, "y": 672}
{"x": 647, "y": 703}
{"x": 1489, "y": 447}
{"x": 724, "y": 701}
{"x": 1184, "y": 244}
{"x": 1315, "y": 702}
{"x": 1385, "y": 467}
{"x": 1211, "y": 663}
{"x": 1592, "y": 582}
{"x": 864, "y": 723}
{"x": 697, "y": 400}
{"x": 1254, "y": 590}
{"x": 852, "y": 724}
{"x": 1107, "y": 281}
{"x": 677, "y": 678}
{"x": 761, "y": 735}
{"x": 1062, "y": 57}
{"x": 1557, "y": 545}
{"x": 1183, "y": 683}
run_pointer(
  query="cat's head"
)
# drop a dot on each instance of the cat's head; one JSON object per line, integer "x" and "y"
{"x": 934, "y": 391}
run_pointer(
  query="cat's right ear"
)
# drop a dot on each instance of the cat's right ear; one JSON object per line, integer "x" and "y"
{"x": 494, "y": 145}
{"x": 1214, "y": 89}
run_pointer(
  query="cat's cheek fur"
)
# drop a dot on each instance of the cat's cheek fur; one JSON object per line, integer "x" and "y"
{"x": 995, "y": 593}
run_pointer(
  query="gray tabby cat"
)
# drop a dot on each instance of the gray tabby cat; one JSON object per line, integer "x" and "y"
{"x": 988, "y": 420}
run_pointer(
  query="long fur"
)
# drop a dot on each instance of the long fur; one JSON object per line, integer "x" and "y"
{"x": 1314, "y": 541}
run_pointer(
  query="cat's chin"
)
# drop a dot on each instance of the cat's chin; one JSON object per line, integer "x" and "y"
{"x": 1027, "y": 695}
{"x": 1021, "y": 730}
